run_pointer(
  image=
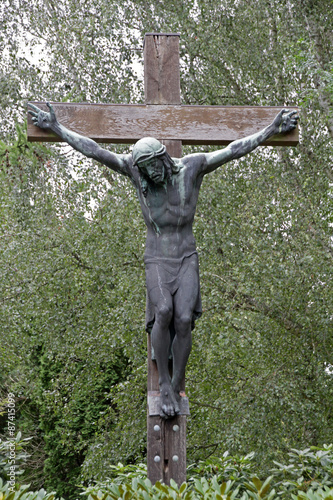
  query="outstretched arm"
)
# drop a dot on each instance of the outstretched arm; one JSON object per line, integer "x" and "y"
{"x": 284, "y": 122}
{"x": 86, "y": 146}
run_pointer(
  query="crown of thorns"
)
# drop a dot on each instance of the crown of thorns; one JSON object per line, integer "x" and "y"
{"x": 147, "y": 148}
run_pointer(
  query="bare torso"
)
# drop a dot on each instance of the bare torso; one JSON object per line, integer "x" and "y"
{"x": 168, "y": 211}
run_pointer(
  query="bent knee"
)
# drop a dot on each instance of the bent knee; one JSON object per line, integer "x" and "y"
{"x": 183, "y": 323}
{"x": 164, "y": 314}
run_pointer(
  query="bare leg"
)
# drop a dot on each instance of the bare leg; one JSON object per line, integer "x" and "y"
{"x": 160, "y": 338}
{"x": 184, "y": 302}
{"x": 181, "y": 349}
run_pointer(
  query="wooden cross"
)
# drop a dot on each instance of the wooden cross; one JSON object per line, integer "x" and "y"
{"x": 163, "y": 117}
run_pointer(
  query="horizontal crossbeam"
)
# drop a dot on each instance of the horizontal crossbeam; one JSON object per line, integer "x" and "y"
{"x": 127, "y": 123}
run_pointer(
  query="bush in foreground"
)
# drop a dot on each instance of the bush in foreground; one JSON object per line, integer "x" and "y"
{"x": 307, "y": 476}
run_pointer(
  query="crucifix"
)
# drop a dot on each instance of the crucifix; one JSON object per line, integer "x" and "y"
{"x": 168, "y": 186}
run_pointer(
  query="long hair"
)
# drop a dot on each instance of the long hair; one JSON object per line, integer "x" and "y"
{"x": 170, "y": 167}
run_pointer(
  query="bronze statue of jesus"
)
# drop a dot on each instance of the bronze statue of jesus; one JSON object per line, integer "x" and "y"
{"x": 168, "y": 190}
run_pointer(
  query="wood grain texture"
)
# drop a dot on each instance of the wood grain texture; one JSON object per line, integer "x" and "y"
{"x": 166, "y": 453}
{"x": 155, "y": 448}
{"x": 161, "y": 53}
{"x": 175, "y": 450}
{"x": 125, "y": 124}
{"x": 161, "y": 68}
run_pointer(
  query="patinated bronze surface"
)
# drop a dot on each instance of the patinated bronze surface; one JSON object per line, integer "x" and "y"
{"x": 168, "y": 190}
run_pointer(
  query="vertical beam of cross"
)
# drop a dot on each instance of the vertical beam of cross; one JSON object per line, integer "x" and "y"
{"x": 166, "y": 439}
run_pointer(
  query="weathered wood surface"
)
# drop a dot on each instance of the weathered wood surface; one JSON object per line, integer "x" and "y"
{"x": 166, "y": 440}
{"x": 161, "y": 68}
{"x": 125, "y": 124}
{"x": 166, "y": 453}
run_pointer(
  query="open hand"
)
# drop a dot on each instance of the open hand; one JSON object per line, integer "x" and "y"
{"x": 285, "y": 121}
{"x": 41, "y": 118}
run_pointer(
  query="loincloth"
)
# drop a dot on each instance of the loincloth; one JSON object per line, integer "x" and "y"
{"x": 168, "y": 274}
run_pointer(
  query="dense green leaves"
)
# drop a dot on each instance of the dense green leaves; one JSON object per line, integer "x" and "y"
{"x": 230, "y": 477}
{"x": 66, "y": 294}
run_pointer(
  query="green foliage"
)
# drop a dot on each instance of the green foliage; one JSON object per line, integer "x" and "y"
{"x": 324, "y": 493}
{"x": 23, "y": 493}
{"x": 14, "y": 447}
{"x": 310, "y": 467}
{"x": 83, "y": 391}
{"x": 64, "y": 306}
{"x": 228, "y": 477}
{"x": 236, "y": 469}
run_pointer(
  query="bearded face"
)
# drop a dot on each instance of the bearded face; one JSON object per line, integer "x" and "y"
{"x": 154, "y": 169}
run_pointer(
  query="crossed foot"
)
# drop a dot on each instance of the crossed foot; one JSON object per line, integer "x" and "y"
{"x": 170, "y": 401}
